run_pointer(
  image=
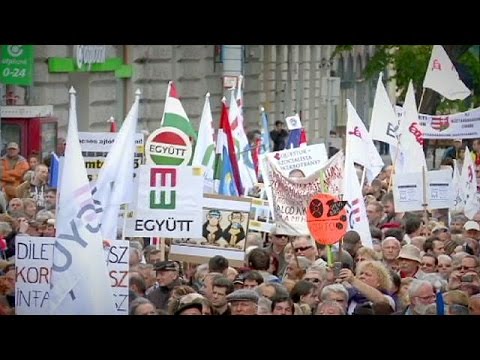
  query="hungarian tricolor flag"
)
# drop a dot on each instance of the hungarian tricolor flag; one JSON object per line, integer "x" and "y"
{"x": 174, "y": 115}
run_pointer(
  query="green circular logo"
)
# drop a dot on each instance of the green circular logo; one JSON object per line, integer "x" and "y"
{"x": 168, "y": 146}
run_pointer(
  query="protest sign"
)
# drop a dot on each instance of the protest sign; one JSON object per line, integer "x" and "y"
{"x": 327, "y": 218}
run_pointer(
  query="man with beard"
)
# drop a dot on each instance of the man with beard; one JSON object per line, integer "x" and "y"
{"x": 421, "y": 294}
{"x": 51, "y": 200}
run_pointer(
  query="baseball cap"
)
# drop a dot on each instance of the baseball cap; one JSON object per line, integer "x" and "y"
{"x": 471, "y": 225}
{"x": 12, "y": 145}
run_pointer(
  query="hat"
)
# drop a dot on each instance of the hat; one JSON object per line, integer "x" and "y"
{"x": 471, "y": 225}
{"x": 410, "y": 252}
{"x": 166, "y": 266}
{"x": 243, "y": 295}
{"x": 457, "y": 140}
{"x": 182, "y": 307}
{"x": 439, "y": 227}
{"x": 12, "y": 145}
{"x": 274, "y": 231}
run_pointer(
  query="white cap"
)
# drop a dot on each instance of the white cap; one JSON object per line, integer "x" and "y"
{"x": 471, "y": 225}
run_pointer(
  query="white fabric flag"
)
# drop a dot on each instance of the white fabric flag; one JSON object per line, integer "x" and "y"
{"x": 244, "y": 155}
{"x": 411, "y": 135}
{"x": 357, "y": 212}
{"x": 384, "y": 123}
{"x": 360, "y": 147}
{"x": 205, "y": 147}
{"x": 442, "y": 76}
{"x": 115, "y": 185}
{"x": 79, "y": 281}
{"x": 469, "y": 184}
{"x": 458, "y": 191}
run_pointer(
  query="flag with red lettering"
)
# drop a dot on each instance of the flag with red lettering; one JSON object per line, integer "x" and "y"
{"x": 468, "y": 182}
{"x": 360, "y": 148}
{"x": 411, "y": 135}
{"x": 442, "y": 77}
{"x": 357, "y": 213}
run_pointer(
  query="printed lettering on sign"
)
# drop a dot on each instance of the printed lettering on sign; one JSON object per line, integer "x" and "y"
{"x": 169, "y": 202}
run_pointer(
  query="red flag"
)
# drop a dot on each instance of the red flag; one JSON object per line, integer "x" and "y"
{"x": 113, "y": 125}
{"x": 303, "y": 138}
{"x": 225, "y": 125}
{"x": 256, "y": 154}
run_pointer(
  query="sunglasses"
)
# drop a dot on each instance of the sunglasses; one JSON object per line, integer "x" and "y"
{"x": 305, "y": 248}
{"x": 280, "y": 236}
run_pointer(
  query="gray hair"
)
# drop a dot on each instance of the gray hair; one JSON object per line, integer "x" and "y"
{"x": 333, "y": 288}
{"x": 436, "y": 280}
{"x": 264, "y": 306}
{"x": 138, "y": 302}
{"x": 333, "y": 304}
{"x": 415, "y": 287}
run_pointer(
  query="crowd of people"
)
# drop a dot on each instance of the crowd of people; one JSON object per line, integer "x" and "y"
{"x": 416, "y": 267}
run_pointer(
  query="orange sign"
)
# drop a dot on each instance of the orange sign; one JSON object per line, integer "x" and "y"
{"x": 327, "y": 218}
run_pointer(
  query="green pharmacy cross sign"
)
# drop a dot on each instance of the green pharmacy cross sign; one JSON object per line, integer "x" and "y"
{"x": 16, "y": 65}
{"x": 90, "y": 58}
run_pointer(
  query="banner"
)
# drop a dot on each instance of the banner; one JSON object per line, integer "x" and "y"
{"x": 169, "y": 202}
{"x": 464, "y": 125}
{"x": 291, "y": 195}
{"x": 33, "y": 263}
{"x": 95, "y": 147}
{"x": 298, "y": 162}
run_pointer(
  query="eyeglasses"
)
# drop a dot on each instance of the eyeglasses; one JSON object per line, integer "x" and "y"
{"x": 280, "y": 236}
{"x": 465, "y": 268}
{"x": 313, "y": 280}
{"x": 305, "y": 248}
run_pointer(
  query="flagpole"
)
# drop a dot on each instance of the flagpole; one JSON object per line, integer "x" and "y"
{"x": 421, "y": 100}
{"x": 425, "y": 211}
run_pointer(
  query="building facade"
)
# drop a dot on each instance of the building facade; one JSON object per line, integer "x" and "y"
{"x": 284, "y": 79}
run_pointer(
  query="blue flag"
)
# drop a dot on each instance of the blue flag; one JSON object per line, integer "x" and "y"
{"x": 265, "y": 134}
{"x": 227, "y": 183}
{"x": 294, "y": 139}
{"x": 54, "y": 171}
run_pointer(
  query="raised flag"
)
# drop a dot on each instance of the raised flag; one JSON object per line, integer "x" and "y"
{"x": 411, "y": 135}
{"x": 243, "y": 152}
{"x": 79, "y": 283}
{"x": 442, "y": 77}
{"x": 204, "y": 154}
{"x": 360, "y": 148}
{"x": 469, "y": 186}
{"x": 357, "y": 213}
{"x": 115, "y": 180}
{"x": 174, "y": 115}
{"x": 384, "y": 122}
{"x": 265, "y": 132}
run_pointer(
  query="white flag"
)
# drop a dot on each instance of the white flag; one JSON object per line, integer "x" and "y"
{"x": 384, "y": 123}
{"x": 357, "y": 213}
{"x": 458, "y": 191}
{"x": 79, "y": 283}
{"x": 411, "y": 135}
{"x": 442, "y": 76}
{"x": 205, "y": 147}
{"x": 469, "y": 185}
{"x": 115, "y": 185}
{"x": 244, "y": 155}
{"x": 360, "y": 148}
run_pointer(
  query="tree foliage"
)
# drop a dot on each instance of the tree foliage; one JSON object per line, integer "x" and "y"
{"x": 411, "y": 61}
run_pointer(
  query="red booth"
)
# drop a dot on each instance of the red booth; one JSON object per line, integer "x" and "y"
{"x": 32, "y": 127}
